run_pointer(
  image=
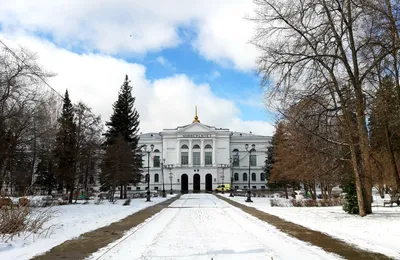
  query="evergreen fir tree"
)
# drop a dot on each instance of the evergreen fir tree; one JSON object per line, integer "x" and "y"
{"x": 124, "y": 122}
{"x": 350, "y": 204}
{"x": 65, "y": 151}
{"x": 269, "y": 164}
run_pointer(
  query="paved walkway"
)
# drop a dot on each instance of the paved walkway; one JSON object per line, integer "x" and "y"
{"x": 202, "y": 226}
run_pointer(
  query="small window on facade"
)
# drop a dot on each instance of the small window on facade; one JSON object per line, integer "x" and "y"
{"x": 196, "y": 146}
{"x": 196, "y": 158}
{"x": 137, "y": 188}
{"x": 236, "y": 177}
{"x": 262, "y": 176}
{"x": 208, "y": 158}
{"x": 237, "y": 187}
{"x": 129, "y": 188}
{"x": 156, "y": 177}
{"x": 263, "y": 187}
{"x": 244, "y": 176}
{"x": 184, "y": 158}
{"x": 184, "y": 146}
{"x": 208, "y": 146}
{"x": 147, "y": 178}
{"x": 146, "y": 188}
{"x": 244, "y": 187}
{"x": 156, "y": 188}
{"x": 156, "y": 151}
{"x": 156, "y": 161}
{"x": 253, "y": 160}
{"x": 254, "y": 187}
{"x": 253, "y": 176}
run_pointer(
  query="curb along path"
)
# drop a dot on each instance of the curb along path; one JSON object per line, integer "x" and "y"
{"x": 315, "y": 238}
{"x": 92, "y": 241}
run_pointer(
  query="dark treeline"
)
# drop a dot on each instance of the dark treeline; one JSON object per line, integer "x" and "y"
{"x": 48, "y": 144}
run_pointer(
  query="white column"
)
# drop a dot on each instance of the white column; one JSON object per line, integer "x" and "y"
{"x": 190, "y": 153}
{"x": 202, "y": 153}
{"x": 213, "y": 155}
{"x": 178, "y": 152}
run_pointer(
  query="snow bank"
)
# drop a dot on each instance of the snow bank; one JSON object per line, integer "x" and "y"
{"x": 70, "y": 221}
{"x": 378, "y": 232}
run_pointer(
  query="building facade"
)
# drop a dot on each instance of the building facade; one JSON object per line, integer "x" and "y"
{"x": 198, "y": 157}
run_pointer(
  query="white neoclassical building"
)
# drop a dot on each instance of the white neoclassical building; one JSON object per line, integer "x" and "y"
{"x": 198, "y": 157}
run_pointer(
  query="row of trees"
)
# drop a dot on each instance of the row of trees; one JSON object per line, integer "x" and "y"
{"x": 333, "y": 68}
{"x": 49, "y": 143}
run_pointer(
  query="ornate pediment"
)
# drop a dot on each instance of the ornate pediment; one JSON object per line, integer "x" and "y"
{"x": 195, "y": 128}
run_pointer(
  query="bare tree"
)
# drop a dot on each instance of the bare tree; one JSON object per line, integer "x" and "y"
{"x": 324, "y": 47}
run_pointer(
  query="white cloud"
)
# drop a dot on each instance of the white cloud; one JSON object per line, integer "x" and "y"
{"x": 213, "y": 75}
{"x": 166, "y": 63}
{"x": 137, "y": 26}
{"x": 163, "y": 103}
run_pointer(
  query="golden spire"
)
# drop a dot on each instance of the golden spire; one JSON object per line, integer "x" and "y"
{"x": 196, "y": 118}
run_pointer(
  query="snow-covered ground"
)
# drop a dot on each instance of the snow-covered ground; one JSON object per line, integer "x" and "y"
{"x": 378, "y": 232}
{"x": 201, "y": 226}
{"x": 70, "y": 221}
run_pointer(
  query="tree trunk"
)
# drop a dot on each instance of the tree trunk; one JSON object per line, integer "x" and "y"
{"x": 121, "y": 192}
{"x": 125, "y": 192}
{"x": 286, "y": 192}
{"x": 71, "y": 194}
{"x": 393, "y": 163}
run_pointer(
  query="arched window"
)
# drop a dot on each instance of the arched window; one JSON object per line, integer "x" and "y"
{"x": 253, "y": 176}
{"x": 156, "y": 177}
{"x": 208, "y": 146}
{"x": 262, "y": 176}
{"x": 236, "y": 176}
{"x": 235, "y": 150}
{"x": 244, "y": 176}
{"x": 146, "y": 178}
{"x": 156, "y": 151}
{"x": 196, "y": 146}
{"x": 184, "y": 146}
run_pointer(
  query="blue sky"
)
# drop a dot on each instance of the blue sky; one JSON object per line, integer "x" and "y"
{"x": 195, "y": 53}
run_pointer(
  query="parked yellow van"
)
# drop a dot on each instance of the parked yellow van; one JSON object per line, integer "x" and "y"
{"x": 223, "y": 187}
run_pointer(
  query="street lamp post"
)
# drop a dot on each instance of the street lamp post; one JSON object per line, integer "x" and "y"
{"x": 223, "y": 166}
{"x": 249, "y": 151}
{"x": 162, "y": 174}
{"x": 148, "y": 170}
{"x": 231, "y": 165}
{"x": 170, "y": 166}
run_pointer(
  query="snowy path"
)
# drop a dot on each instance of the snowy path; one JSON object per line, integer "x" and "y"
{"x": 201, "y": 226}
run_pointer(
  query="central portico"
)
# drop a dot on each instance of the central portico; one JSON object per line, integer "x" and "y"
{"x": 198, "y": 157}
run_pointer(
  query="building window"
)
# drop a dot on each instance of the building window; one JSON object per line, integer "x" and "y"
{"x": 146, "y": 188}
{"x": 263, "y": 187}
{"x": 235, "y": 157}
{"x": 138, "y": 188}
{"x": 208, "y": 157}
{"x": 254, "y": 187}
{"x": 253, "y": 160}
{"x": 262, "y": 176}
{"x": 184, "y": 146}
{"x": 156, "y": 151}
{"x": 236, "y": 177}
{"x": 236, "y": 187}
{"x": 196, "y": 158}
{"x": 184, "y": 158}
{"x": 196, "y": 146}
{"x": 129, "y": 188}
{"x": 253, "y": 176}
{"x": 156, "y": 177}
{"x": 146, "y": 178}
{"x": 156, "y": 188}
{"x": 244, "y": 176}
{"x": 156, "y": 161}
{"x": 244, "y": 187}
{"x": 208, "y": 146}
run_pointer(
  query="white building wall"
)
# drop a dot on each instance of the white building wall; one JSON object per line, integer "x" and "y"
{"x": 223, "y": 142}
